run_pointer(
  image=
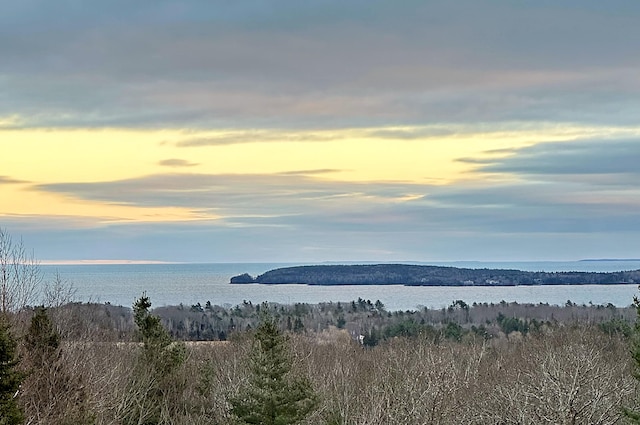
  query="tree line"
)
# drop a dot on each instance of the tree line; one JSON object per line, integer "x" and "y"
{"x": 422, "y": 275}
{"x": 570, "y": 373}
{"x": 65, "y": 362}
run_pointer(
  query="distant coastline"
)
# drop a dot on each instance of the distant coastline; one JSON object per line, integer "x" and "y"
{"x": 609, "y": 259}
{"x": 422, "y": 275}
{"x": 100, "y": 262}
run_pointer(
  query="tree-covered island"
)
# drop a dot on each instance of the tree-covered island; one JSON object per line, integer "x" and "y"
{"x": 420, "y": 275}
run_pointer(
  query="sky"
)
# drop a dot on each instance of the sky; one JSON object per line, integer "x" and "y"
{"x": 290, "y": 131}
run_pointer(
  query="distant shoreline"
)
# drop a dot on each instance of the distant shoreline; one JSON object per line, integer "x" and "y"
{"x": 420, "y": 275}
{"x": 595, "y": 260}
{"x": 100, "y": 262}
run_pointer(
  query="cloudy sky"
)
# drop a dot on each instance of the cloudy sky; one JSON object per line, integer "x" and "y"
{"x": 304, "y": 131}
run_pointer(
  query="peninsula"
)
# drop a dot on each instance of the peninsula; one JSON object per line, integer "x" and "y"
{"x": 419, "y": 275}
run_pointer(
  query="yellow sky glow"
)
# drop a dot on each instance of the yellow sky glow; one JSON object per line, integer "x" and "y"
{"x": 41, "y": 156}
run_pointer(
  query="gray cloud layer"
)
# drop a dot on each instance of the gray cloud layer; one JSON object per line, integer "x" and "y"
{"x": 310, "y": 64}
{"x": 618, "y": 158}
{"x": 333, "y": 64}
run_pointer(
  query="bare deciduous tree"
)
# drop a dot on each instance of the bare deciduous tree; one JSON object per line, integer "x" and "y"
{"x": 58, "y": 292}
{"x": 19, "y": 274}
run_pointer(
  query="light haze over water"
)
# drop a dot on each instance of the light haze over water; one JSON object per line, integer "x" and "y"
{"x": 173, "y": 284}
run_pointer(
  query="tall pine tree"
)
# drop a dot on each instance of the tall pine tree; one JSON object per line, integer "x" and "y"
{"x": 53, "y": 391}
{"x": 159, "y": 351}
{"x": 42, "y": 340}
{"x": 10, "y": 377}
{"x": 634, "y": 415}
{"x": 274, "y": 394}
{"x": 156, "y": 390}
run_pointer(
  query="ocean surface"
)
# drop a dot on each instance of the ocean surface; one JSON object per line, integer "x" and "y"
{"x": 173, "y": 284}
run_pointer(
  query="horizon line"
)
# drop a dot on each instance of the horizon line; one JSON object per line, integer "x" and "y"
{"x": 100, "y": 262}
{"x": 151, "y": 262}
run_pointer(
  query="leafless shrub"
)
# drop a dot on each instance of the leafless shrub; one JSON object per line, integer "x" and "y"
{"x": 20, "y": 275}
{"x": 58, "y": 292}
{"x": 566, "y": 375}
{"x": 572, "y": 376}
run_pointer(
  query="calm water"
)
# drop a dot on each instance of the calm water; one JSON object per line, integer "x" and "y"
{"x": 172, "y": 284}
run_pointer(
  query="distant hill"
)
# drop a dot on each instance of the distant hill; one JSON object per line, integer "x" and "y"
{"x": 415, "y": 275}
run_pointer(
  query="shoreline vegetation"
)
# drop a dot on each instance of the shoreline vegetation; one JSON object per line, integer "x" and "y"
{"x": 340, "y": 363}
{"x": 358, "y": 318}
{"x": 464, "y": 364}
{"x": 422, "y": 275}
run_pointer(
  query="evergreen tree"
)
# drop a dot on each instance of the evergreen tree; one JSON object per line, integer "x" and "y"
{"x": 10, "y": 377}
{"x": 156, "y": 390}
{"x": 158, "y": 350}
{"x": 53, "y": 393}
{"x": 274, "y": 394}
{"x": 298, "y": 326}
{"x": 371, "y": 338}
{"x": 42, "y": 340}
{"x": 634, "y": 415}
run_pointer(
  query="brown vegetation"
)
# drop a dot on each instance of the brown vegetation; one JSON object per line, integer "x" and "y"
{"x": 466, "y": 364}
{"x": 561, "y": 374}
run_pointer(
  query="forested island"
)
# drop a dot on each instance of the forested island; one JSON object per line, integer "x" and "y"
{"x": 421, "y": 275}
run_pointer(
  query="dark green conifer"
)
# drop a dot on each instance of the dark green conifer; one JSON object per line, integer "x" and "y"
{"x": 10, "y": 377}
{"x": 54, "y": 391}
{"x": 634, "y": 415}
{"x": 274, "y": 394}
{"x": 42, "y": 340}
{"x": 156, "y": 390}
{"x": 156, "y": 340}
{"x": 298, "y": 326}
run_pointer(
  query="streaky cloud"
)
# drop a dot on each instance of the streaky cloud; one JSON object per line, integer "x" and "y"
{"x": 325, "y": 64}
{"x": 310, "y": 172}
{"x": 239, "y": 194}
{"x": 414, "y": 133}
{"x": 11, "y": 180}
{"x": 476, "y": 161}
{"x": 54, "y": 223}
{"x": 578, "y": 157}
{"x": 253, "y": 137}
{"x": 175, "y": 162}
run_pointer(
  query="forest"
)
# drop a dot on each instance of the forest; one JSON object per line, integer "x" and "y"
{"x": 100, "y": 364}
{"x": 420, "y": 275}
{"x": 69, "y": 362}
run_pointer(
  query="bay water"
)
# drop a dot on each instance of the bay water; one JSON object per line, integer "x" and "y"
{"x": 188, "y": 284}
